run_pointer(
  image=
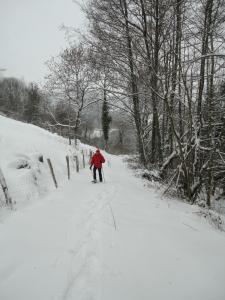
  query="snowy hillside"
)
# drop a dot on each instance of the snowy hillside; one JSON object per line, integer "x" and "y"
{"x": 116, "y": 240}
{"x": 21, "y": 145}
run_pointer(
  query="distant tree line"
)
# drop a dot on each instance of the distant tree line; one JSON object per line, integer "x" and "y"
{"x": 22, "y": 102}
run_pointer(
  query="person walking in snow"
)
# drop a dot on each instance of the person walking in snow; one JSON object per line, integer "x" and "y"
{"x": 97, "y": 160}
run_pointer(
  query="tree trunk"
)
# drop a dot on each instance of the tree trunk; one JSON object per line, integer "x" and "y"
{"x": 156, "y": 147}
{"x": 134, "y": 88}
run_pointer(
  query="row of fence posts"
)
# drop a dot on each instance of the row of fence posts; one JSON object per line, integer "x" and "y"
{"x": 4, "y": 186}
{"x": 77, "y": 163}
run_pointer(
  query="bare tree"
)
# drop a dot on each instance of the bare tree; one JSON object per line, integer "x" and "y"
{"x": 71, "y": 80}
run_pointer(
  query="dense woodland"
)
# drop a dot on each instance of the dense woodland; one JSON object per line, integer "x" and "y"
{"x": 152, "y": 69}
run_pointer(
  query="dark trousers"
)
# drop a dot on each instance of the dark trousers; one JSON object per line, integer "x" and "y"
{"x": 99, "y": 173}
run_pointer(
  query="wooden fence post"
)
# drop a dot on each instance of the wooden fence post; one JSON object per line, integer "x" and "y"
{"x": 77, "y": 163}
{"x": 83, "y": 159}
{"x": 3, "y": 184}
{"x": 52, "y": 172}
{"x": 68, "y": 166}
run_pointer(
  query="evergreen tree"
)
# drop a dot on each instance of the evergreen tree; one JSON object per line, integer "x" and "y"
{"x": 106, "y": 120}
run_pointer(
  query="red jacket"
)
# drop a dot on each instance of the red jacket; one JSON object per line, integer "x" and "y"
{"x": 97, "y": 159}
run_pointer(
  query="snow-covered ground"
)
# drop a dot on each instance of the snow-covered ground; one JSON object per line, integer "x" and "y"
{"x": 112, "y": 241}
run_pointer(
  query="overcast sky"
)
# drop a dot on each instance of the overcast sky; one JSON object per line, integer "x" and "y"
{"x": 30, "y": 34}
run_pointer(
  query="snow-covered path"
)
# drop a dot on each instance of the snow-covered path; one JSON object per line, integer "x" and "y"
{"x": 66, "y": 246}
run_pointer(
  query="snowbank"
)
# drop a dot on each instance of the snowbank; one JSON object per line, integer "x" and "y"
{"x": 22, "y": 147}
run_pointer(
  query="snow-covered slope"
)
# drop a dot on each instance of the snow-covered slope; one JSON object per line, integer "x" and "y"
{"x": 112, "y": 241}
{"x": 20, "y": 145}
